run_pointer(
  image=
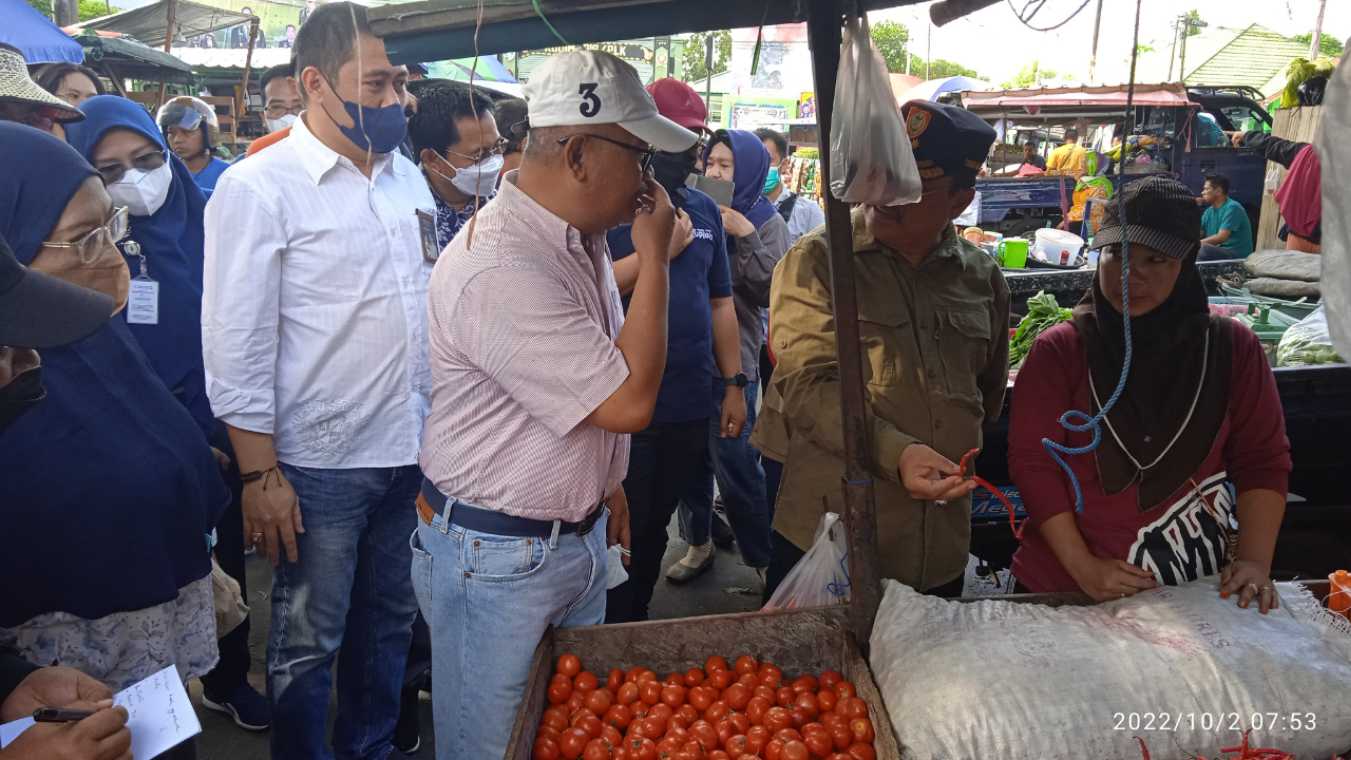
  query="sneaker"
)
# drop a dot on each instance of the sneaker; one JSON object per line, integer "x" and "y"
{"x": 695, "y": 562}
{"x": 245, "y": 706}
{"x": 408, "y": 731}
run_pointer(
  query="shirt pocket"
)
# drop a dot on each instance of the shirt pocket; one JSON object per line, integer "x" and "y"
{"x": 882, "y": 329}
{"x": 964, "y": 351}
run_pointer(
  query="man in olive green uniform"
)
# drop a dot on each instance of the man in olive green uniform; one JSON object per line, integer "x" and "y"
{"x": 933, "y": 317}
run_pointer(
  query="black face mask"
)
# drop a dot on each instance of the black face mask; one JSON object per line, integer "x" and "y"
{"x": 23, "y": 393}
{"x": 671, "y": 169}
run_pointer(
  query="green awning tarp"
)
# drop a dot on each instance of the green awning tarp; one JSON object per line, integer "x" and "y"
{"x": 130, "y": 59}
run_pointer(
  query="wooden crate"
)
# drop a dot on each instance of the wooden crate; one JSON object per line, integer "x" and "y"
{"x": 798, "y": 641}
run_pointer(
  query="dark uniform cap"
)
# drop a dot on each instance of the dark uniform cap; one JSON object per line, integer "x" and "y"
{"x": 947, "y": 141}
{"x": 1161, "y": 213}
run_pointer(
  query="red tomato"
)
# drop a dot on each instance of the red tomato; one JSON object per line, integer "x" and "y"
{"x": 773, "y": 750}
{"x": 701, "y": 697}
{"x": 618, "y": 716}
{"x": 862, "y": 729}
{"x": 862, "y": 752}
{"x": 788, "y": 735}
{"x": 806, "y": 702}
{"x": 777, "y": 719}
{"x": 639, "y": 710}
{"x": 833, "y": 719}
{"x": 667, "y": 747}
{"x": 721, "y": 679}
{"x": 715, "y": 663}
{"x": 573, "y": 744}
{"x": 586, "y": 681}
{"x": 673, "y": 695}
{"x": 756, "y": 738}
{"x": 647, "y": 675}
{"x": 612, "y": 735}
{"x": 818, "y": 743}
{"x": 852, "y": 707}
{"x": 798, "y": 717}
{"x": 736, "y": 746}
{"x": 785, "y": 697}
{"x": 555, "y": 719}
{"x": 559, "y": 692}
{"x": 749, "y": 680}
{"x": 649, "y": 692}
{"x": 550, "y": 733}
{"x": 718, "y": 754}
{"x": 737, "y": 696}
{"x": 632, "y": 675}
{"x": 640, "y": 748}
{"x": 830, "y": 678}
{"x": 599, "y": 701}
{"x": 663, "y": 712}
{"x": 845, "y": 689}
{"x": 768, "y": 692}
{"x": 796, "y": 751}
{"x": 841, "y": 736}
{"x": 838, "y": 756}
{"x": 614, "y": 680}
{"x": 545, "y": 749}
{"x": 590, "y": 724}
{"x": 805, "y": 683}
{"x": 627, "y": 694}
{"x": 688, "y": 714}
{"x": 716, "y": 712}
{"x": 598, "y": 749}
{"x": 826, "y": 699}
{"x": 740, "y": 722}
{"x": 725, "y": 731}
{"x": 569, "y": 665}
{"x": 770, "y": 675}
{"x": 576, "y": 702}
{"x": 673, "y": 678}
{"x": 652, "y": 728}
{"x": 690, "y": 751}
{"x": 703, "y": 732}
{"x": 746, "y": 664}
{"x": 756, "y": 709}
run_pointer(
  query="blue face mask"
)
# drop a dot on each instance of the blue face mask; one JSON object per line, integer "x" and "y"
{"x": 772, "y": 179}
{"x": 384, "y": 128}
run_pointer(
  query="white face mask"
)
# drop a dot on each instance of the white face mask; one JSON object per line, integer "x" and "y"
{"x": 277, "y": 125}
{"x": 477, "y": 180}
{"x": 142, "y": 192}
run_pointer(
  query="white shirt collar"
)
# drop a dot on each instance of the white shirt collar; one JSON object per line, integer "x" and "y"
{"x": 318, "y": 159}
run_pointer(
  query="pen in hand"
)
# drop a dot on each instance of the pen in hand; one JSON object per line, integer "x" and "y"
{"x": 59, "y": 715}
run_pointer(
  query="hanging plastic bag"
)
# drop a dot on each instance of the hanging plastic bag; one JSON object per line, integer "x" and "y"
{"x": 821, "y": 577}
{"x": 870, "y": 157}
{"x": 1335, "y": 154}
{"x": 1307, "y": 343}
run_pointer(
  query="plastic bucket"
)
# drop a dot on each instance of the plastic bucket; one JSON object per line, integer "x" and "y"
{"x": 1057, "y": 246}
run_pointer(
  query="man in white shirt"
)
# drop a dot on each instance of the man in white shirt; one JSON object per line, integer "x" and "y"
{"x": 315, "y": 340}
{"x": 802, "y": 214}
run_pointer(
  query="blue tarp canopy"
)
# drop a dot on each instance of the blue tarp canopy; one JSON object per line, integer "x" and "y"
{"x": 40, "y": 40}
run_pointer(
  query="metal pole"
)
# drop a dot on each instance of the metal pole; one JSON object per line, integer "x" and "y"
{"x": 929, "y": 53}
{"x": 1316, "y": 42}
{"x": 1093, "y": 56}
{"x": 1182, "y": 59}
{"x": 1172, "y": 52}
{"x": 860, "y": 515}
{"x": 708, "y": 71}
{"x": 242, "y": 99}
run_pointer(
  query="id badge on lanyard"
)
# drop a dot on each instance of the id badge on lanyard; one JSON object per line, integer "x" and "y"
{"x": 143, "y": 299}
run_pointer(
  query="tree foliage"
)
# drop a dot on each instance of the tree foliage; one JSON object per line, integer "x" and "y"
{"x": 1328, "y": 44}
{"x": 892, "y": 40}
{"x": 695, "y": 55}
{"x": 89, "y": 9}
{"x": 1194, "y": 22}
{"x": 1031, "y": 75}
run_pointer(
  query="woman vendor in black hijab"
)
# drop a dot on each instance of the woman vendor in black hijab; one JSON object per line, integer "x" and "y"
{"x": 1190, "y": 477}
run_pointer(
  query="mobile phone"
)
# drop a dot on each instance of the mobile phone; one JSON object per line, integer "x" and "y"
{"x": 720, "y": 191}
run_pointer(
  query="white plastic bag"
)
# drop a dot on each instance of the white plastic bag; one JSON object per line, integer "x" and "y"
{"x": 1334, "y": 153}
{"x": 870, "y": 157}
{"x": 1177, "y": 666}
{"x": 821, "y": 577}
{"x": 1307, "y": 343}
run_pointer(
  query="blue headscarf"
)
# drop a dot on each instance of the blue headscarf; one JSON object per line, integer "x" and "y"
{"x": 171, "y": 240}
{"x": 752, "y": 166}
{"x": 109, "y": 488}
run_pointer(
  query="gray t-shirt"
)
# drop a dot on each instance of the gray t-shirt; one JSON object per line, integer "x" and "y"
{"x": 753, "y": 260}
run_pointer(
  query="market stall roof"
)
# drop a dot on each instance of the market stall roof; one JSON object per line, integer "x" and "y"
{"x": 123, "y": 57}
{"x": 432, "y": 30}
{"x": 229, "y": 62}
{"x": 35, "y": 36}
{"x": 149, "y": 23}
{"x": 1053, "y": 97}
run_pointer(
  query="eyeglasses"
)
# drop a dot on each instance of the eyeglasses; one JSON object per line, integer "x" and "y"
{"x": 113, "y": 173}
{"x": 278, "y": 110}
{"x": 88, "y": 247}
{"x": 497, "y": 149}
{"x": 646, "y": 152}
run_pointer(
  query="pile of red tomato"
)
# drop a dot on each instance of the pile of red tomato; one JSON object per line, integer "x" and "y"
{"x": 718, "y": 712}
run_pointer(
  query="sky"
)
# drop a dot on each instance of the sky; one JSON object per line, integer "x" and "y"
{"x": 996, "y": 44}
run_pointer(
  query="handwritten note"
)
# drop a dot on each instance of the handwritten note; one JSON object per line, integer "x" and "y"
{"x": 160, "y": 715}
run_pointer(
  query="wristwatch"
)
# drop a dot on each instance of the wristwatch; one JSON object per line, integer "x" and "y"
{"x": 740, "y": 380}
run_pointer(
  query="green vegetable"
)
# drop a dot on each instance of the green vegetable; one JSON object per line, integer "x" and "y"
{"x": 1043, "y": 313}
{"x": 1307, "y": 343}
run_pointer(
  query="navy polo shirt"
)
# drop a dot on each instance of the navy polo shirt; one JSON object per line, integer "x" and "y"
{"x": 697, "y": 275}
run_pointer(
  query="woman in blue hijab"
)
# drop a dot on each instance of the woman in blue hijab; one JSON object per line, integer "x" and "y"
{"x": 122, "y": 142}
{"x": 110, "y": 491}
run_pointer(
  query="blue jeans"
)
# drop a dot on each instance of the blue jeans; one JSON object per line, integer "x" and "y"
{"x": 741, "y": 480}
{"x": 488, "y": 600}
{"x": 350, "y": 598}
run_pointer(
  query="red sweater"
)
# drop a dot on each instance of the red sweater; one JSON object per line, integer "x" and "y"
{"x": 1178, "y": 540}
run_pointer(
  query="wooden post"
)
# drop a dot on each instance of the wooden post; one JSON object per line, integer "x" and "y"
{"x": 1093, "y": 56}
{"x": 860, "y": 516}
{"x": 169, "y": 30}
{"x": 242, "y": 99}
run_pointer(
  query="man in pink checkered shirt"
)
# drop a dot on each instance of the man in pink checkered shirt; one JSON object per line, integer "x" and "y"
{"x": 537, "y": 381}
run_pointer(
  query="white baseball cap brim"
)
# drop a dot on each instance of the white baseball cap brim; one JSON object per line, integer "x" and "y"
{"x": 661, "y": 133}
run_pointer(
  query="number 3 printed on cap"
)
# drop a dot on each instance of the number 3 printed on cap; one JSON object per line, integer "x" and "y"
{"x": 590, "y": 100}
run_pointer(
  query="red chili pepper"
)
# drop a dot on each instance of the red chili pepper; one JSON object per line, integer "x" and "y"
{"x": 1144, "y": 751}
{"x": 967, "y": 469}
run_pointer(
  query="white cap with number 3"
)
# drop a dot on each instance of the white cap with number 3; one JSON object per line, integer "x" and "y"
{"x": 591, "y": 87}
